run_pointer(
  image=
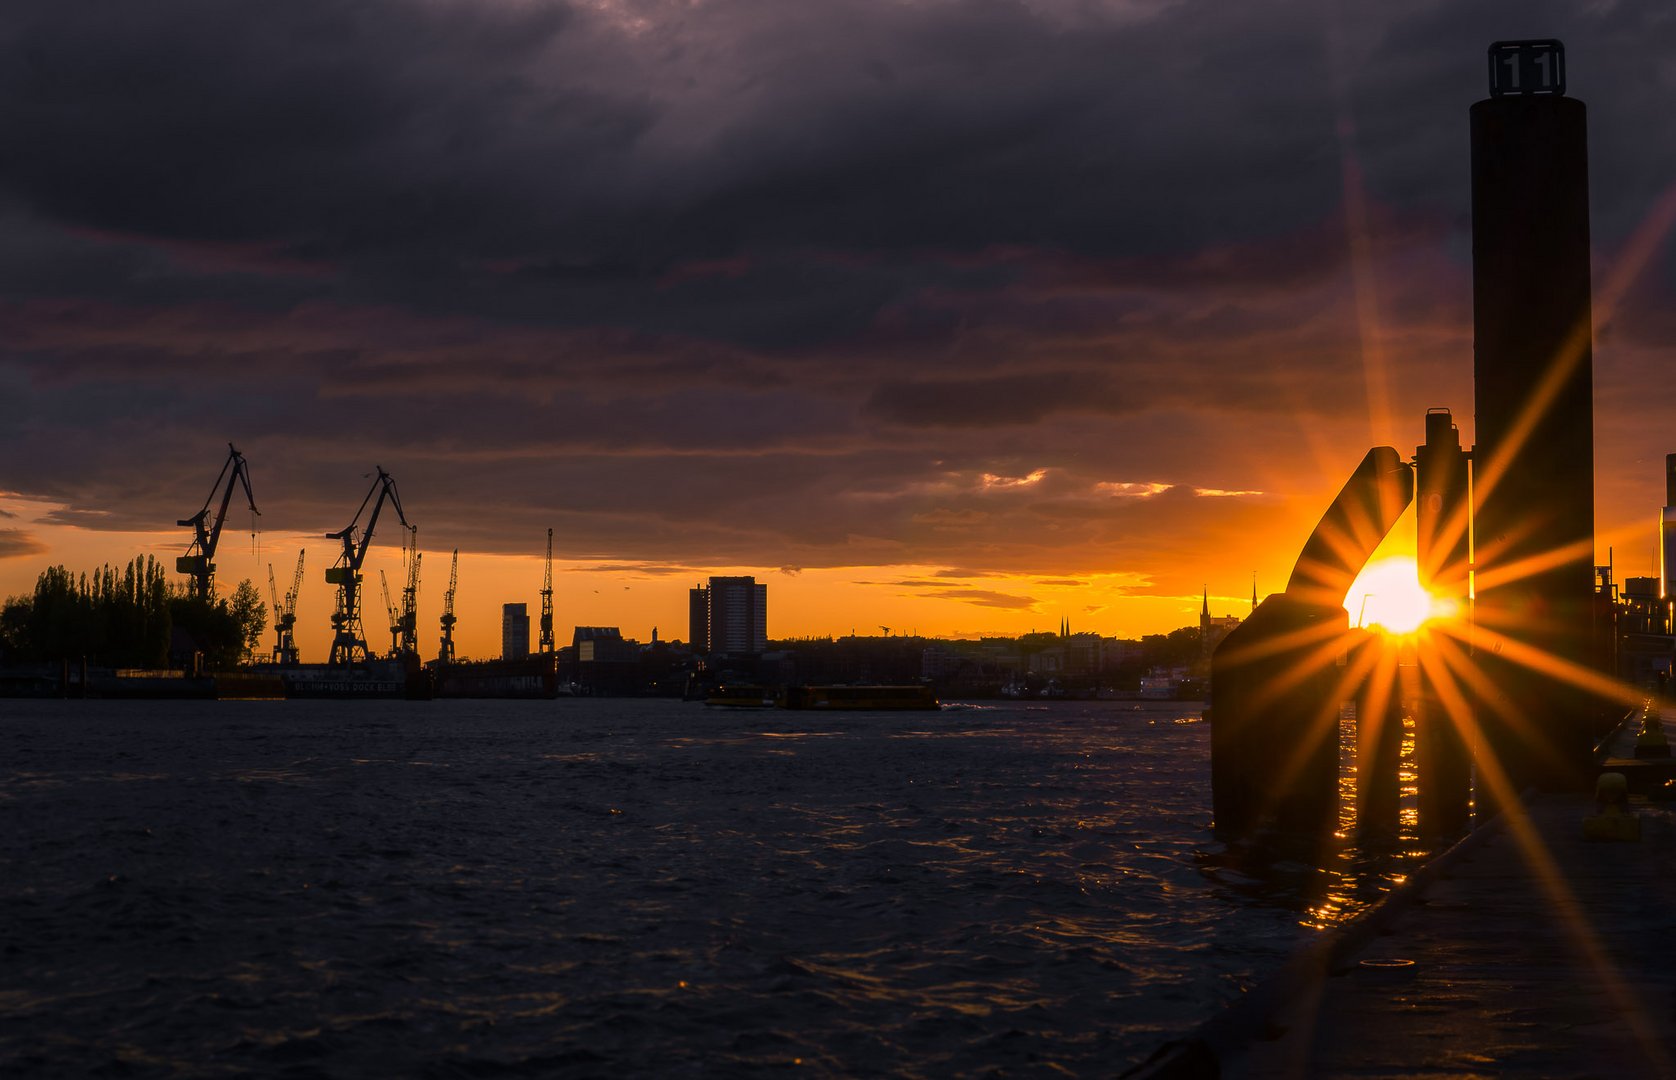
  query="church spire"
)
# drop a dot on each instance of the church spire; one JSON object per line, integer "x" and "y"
{"x": 1254, "y": 590}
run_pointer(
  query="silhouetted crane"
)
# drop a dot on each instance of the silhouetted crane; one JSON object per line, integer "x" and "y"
{"x": 198, "y": 563}
{"x": 285, "y": 614}
{"x": 446, "y": 656}
{"x": 348, "y": 644}
{"x": 408, "y": 639}
{"x": 273, "y": 595}
{"x": 547, "y": 599}
{"x": 395, "y": 615}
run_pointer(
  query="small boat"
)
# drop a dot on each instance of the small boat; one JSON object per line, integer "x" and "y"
{"x": 741, "y": 696}
{"x": 911, "y": 696}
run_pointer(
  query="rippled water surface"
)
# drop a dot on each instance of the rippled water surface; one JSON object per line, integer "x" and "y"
{"x": 597, "y": 887}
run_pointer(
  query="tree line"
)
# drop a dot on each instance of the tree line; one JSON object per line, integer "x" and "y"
{"x": 129, "y": 616}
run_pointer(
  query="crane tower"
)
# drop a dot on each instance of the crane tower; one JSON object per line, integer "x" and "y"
{"x": 547, "y": 599}
{"x": 349, "y": 643}
{"x": 198, "y": 562}
{"x": 285, "y": 614}
{"x": 408, "y": 638}
{"x": 446, "y": 656}
{"x": 395, "y": 615}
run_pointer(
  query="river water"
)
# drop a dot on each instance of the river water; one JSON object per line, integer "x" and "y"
{"x": 595, "y": 887}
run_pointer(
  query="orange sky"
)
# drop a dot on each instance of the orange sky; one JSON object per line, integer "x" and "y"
{"x": 827, "y": 601}
{"x": 811, "y": 602}
{"x": 952, "y": 318}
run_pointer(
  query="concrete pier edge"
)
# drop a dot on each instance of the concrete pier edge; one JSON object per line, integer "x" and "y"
{"x": 1200, "y": 1053}
{"x": 1251, "y": 1018}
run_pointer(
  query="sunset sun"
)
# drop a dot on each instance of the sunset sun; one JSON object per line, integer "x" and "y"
{"x": 1387, "y": 594}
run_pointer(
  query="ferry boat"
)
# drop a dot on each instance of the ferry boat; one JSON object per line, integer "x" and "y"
{"x": 536, "y": 676}
{"x": 371, "y": 679}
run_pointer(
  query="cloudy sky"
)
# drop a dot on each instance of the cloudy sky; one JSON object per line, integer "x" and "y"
{"x": 955, "y": 316}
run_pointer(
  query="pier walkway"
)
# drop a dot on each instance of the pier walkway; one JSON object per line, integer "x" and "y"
{"x": 1526, "y": 951}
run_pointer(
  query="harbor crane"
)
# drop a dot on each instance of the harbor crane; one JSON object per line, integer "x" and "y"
{"x": 348, "y": 641}
{"x": 408, "y": 639}
{"x": 285, "y": 614}
{"x": 547, "y": 600}
{"x": 446, "y": 656}
{"x": 198, "y": 562}
{"x": 395, "y": 616}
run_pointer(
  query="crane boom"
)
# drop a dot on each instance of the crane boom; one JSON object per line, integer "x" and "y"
{"x": 395, "y": 616}
{"x": 348, "y": 643}
{"x": 296, "y": 584}
{"x": 198, "y": 562}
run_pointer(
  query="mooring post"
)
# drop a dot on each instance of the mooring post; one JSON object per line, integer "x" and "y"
{"x": 1533, "y": 463}
{"x": 1667, "y": 550}
{"x": 1443, "y": 552}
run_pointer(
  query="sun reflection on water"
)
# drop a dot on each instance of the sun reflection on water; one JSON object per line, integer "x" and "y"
{"x": 1358, "y": 875}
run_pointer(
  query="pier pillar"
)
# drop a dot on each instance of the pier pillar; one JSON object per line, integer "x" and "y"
{"x": 1275, "y": 690}
{"x": 1533, "y": 464}
{"x": 1667, "y": 549}
{"x": 1277, "y": 679}
{"x": 1443, "y": 715}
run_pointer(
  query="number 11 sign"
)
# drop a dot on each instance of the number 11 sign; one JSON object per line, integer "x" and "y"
{"x": 1527, "y": 67}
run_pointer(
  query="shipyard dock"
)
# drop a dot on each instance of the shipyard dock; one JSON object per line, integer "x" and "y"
{"x": 1525, "y": 950}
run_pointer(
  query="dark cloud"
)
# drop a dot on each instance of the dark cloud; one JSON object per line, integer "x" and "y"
{"x": 1006, "y": 399}
{"x": 986, "y": 598}
{"x": 756, "y": 283}
{"x": 648, "y": 569}
{"x": 15, "y": 543}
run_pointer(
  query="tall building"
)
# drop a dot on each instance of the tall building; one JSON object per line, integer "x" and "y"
{"x": 730, "y": 615}
{"x": 514, "y": 631}
{"x": 698, "y": 619}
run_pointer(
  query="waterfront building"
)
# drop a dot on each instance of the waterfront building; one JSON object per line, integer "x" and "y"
{"x": 729, "y": 615}
{"x": 514, "y": 631}
{"x": 1212, "y": 629}
{"x": 1118, "y": 652}
{"x": 603, "y": 644}
{"x": 698, "y": 620}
